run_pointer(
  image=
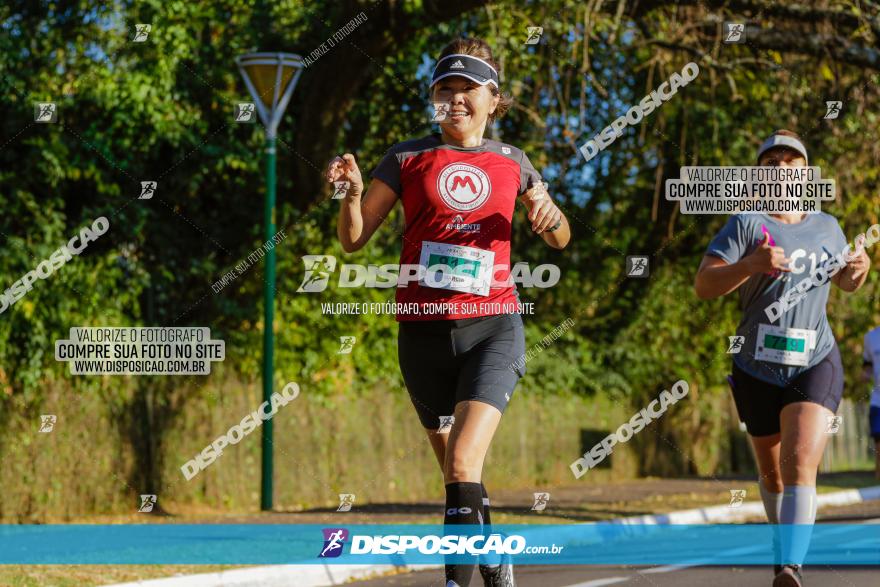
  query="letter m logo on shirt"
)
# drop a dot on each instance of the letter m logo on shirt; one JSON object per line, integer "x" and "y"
{"x": 459, "y": 182}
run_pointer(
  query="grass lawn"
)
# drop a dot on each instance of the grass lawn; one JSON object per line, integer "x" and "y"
{"x": 91, "y": 575}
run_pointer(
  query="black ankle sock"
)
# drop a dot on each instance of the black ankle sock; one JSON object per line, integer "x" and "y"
{"x": 464, "y": 505}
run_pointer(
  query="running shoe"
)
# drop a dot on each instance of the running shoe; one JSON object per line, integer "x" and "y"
{"x": 500, "y": 576}
{"x": 789, "y": 576}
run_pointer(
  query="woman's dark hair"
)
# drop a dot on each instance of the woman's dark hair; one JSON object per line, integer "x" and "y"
{"x": 479, "y": 48}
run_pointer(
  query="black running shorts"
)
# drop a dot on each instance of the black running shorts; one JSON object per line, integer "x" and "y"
{"x": 444, "y": 362}
{"x": 759, "y": 403}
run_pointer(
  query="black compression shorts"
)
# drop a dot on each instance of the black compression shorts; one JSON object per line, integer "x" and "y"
{"x": 759, "y": 403}
{"x": 444, "y": 362}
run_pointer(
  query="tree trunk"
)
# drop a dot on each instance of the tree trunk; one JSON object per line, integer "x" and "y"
{"x": 328, "y": 88}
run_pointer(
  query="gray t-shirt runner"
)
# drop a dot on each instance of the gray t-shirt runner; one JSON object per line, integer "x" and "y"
{"x": 810, "y": 244}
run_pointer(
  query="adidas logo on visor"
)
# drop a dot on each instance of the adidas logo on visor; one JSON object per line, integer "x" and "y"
{"x": 457, "y": 65}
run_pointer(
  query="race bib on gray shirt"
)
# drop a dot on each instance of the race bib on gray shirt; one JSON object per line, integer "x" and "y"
{"x": 784, "y": 326}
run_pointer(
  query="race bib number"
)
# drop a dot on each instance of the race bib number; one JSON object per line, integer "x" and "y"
{"x": 788, "y": 346}
{"x": 456, "y": 267}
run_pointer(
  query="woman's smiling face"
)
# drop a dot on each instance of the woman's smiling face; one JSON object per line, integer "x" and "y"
{"x": 470, "y": 103}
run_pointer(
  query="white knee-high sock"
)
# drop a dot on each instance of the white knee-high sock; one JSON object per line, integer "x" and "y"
{"x": 773, "y": 507}
{"x": 797, "y": 516}
{"x": 772, "y": 503}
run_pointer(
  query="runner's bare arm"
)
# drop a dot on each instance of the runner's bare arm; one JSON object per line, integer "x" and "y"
{"x": 558, "y": 239}
{"x": 360, "y": 217}
{"x": 716, "y": 277}
{"x": 544, "y": 215}
{"x": 851, "y": 277}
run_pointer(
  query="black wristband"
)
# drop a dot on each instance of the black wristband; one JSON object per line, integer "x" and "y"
{"x": 555, "y": 227}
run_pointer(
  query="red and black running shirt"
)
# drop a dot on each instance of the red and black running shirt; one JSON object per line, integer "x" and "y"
{"x": 458, "y": 196}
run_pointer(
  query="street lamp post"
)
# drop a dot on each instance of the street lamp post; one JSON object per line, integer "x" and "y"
{"x": 270, "y": 79}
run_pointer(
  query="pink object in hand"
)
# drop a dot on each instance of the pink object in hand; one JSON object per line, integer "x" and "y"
{"x": 772, "y": 243}
{"x": 764, "y": 230}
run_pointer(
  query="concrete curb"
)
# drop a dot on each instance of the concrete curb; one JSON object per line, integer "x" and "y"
{"x": 723, "y": 514}
{"x": 278, "y": 576}
{"x": 327, "y": 575}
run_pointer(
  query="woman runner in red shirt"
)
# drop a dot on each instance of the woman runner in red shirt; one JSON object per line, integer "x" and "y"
{"x": 460, "y": 359}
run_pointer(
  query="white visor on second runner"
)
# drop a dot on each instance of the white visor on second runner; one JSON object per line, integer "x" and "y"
{"x": 783, "y": 141}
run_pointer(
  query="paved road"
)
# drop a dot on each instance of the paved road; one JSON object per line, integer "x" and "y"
{"x": 595, "y": 576}
{"x": 669, "y": 576}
